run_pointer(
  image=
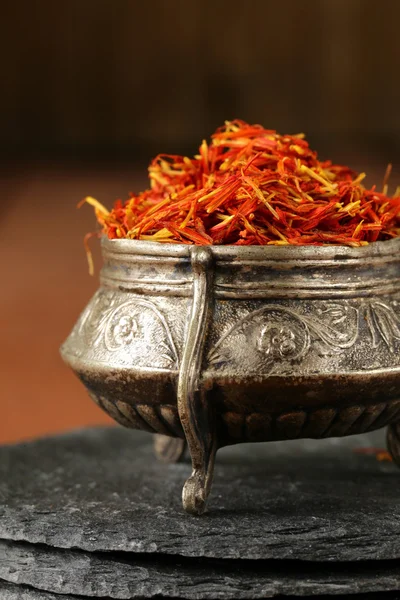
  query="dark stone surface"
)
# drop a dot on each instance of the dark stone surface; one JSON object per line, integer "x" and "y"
{"x": 136, "y": 576}
{"x": 102, "y": 489}
{"x": 8, "y": 591}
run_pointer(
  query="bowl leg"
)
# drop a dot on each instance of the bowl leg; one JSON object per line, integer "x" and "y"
{"x": 168, "y": 449}
{"x": 195, "y": 412}
{"x": 393, "y": 442}
{"x": 199, "y": 427}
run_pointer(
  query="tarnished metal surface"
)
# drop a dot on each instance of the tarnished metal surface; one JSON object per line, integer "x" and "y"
{"x": 220, "y": 345}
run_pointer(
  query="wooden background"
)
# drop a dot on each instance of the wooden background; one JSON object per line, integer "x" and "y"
{"x": 127, "y": 74}
{"x": 90, "y": 89}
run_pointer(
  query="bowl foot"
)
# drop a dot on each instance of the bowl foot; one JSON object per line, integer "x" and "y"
{"x": 169, "y": 450}
{"x": 199, "y": 427}
{"x": 195, "y": 492}
{"x": 393, "y": 442}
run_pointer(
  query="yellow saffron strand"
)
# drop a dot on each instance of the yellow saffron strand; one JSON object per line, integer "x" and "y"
{"x": 96, "y": 204}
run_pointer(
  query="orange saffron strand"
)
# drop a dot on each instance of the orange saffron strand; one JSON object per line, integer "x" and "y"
{"x": 252, "y": 186}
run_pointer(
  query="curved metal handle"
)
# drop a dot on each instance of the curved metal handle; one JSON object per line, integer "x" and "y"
{"x": 197, "y": 418}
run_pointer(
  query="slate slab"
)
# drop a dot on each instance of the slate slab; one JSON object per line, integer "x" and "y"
{"x": 8, "y": 591}
{"x": 124, "y": 577}
{"x": 102, "y": 489}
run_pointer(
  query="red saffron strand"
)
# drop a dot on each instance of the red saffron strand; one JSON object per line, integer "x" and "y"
{"x": 253, "y": 186}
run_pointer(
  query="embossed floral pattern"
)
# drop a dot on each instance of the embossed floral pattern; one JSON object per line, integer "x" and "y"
{"x": 277, "y": 341}
{"x": 132, "y": 330}
{"x": 125, "y": 330}
{"x": 384, "y": 324}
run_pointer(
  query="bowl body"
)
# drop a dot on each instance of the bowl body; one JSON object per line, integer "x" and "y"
{"x": 296, "y": 342}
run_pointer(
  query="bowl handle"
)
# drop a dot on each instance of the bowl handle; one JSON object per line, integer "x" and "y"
{"x": 195, "y": 412}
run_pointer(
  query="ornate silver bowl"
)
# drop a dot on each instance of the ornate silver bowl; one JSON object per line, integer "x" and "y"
{"x": 217, "y": 345}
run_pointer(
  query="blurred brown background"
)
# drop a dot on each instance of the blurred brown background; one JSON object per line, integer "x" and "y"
{"x": 90, "y": 89}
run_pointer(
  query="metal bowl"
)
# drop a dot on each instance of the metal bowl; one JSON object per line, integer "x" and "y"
{"x": 214, "y": 345}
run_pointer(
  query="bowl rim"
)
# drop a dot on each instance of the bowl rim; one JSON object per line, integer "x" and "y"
{"x": 387, "y": 248}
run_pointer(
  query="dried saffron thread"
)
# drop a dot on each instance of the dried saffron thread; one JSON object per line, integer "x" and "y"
{"x": 252, "y": 186}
